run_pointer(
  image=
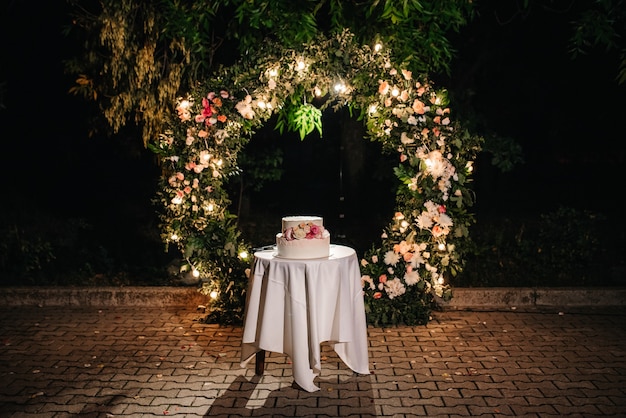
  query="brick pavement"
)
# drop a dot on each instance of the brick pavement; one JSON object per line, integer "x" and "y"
{"x": 142, "y": 362}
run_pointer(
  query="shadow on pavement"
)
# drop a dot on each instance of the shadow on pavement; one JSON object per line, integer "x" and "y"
{"x": 353, "y": 396}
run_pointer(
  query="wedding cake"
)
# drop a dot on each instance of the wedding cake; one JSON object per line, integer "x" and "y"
{"x": 303, "y": 237}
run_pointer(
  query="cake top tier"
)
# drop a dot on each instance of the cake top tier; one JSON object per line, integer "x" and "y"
{"x": 298, "y": 219}
{"x": 303, "y": 227}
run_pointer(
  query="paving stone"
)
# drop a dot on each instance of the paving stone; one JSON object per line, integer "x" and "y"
{"x": 154, "y": 361}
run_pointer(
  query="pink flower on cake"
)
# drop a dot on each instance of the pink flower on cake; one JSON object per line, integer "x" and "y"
{"x": 315, "y": 232}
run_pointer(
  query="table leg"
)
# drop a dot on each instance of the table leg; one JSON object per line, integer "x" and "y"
{"x": 259, "y": 366}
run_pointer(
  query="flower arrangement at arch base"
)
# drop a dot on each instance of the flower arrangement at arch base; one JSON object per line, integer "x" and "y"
{"x": 395, "y": 291}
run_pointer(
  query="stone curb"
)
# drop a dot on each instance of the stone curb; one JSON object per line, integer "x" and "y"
{"x": 528, "y": 297}
{"x": 463, "y": 298}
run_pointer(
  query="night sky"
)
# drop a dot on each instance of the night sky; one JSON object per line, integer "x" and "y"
{"x": 516, "y": 77}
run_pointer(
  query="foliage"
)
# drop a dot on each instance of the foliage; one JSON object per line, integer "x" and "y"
{"x": 139, "y": 56}
{"x": 406, "y": 115}
{"x": 564, "y": 247}
{"x": 595, "y": 24}
{"x": 40, "y": 249}
{"x": 602, "y": 25}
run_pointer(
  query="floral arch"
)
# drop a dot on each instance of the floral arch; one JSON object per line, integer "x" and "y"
{"x": 423, "y": 245}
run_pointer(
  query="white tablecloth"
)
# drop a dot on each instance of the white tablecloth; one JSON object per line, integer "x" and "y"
{"x": 292, "y": 306}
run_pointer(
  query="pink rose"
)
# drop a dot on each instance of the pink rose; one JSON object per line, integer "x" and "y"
{"x": 316, "y": 231}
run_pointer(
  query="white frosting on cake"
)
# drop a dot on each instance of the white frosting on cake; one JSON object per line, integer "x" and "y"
{"x": 303, "y": 237}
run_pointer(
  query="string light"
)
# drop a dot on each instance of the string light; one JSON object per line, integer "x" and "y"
{"x": 185, "y": 104}
{"x": 340, "y": 87}
{"x": 395, "y": 92}
{"x": 372, "y": 109}
{"x": 243, "y": 255}
{"x": 378, "y": 47}
{"x": 441, "y": 246}
{"x": 195, "y": 273}
{"x": 213, "y": 294}
{"x": 301, "y": 65}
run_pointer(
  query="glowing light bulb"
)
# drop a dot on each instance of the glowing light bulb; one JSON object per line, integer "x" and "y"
{"x": 395, "y": 92}
{"x": 340, "y": 87}
{"x": 301, "y": 65}
{"x": 174, "y": 237}
{"x": 441, "y": 246}
{"x": 318, "y": 92}
{"x": 378, "y": 47}
{"x": 185, "y": 104}
{"x": 213, "y": 294}
{"x": 273, "y": 72}
{"x": 177, "y": 200}
{"x": 210, "y": 207}
{"x": 219, "y": 162}
{"x": 243, "y": 255}
{"x": 440, "y": 280}
{"x": 404, "y": 224}
{"x": 195, "y": 273}
{"x": 372, "y": 109}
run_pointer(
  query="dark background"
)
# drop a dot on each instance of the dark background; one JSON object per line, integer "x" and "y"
{"x": 511, "y": 79}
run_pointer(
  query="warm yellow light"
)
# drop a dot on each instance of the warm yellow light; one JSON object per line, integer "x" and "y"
{"x": 261, "y": 104}
{"x": 372, "y": 109}
{"x": 213, "y": 294}
{"x": 174, "y": 237}
{"x": 440, "y": 280}
{"x": 219, "y": 162}
{"x": 340, "y": 87}
{"x": 301, "y": 65}
{"x": 378, "y": 47}
{"x": 243, "y": 255}
{"x": 195, "y": 273}
{"x": 273, "y": 72}
{"x": 395, "y": 92}
{"x": 177, "y": 200}
{"x": 404, "y": 224}
{"x": 318, "y": 92}
{"x": 441, "y": 246}
{"x": 210, "y": 207}
{"x": 185, "y": 104}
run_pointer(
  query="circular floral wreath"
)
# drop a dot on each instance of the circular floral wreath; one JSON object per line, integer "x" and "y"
{"x": 422, "y": 246}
